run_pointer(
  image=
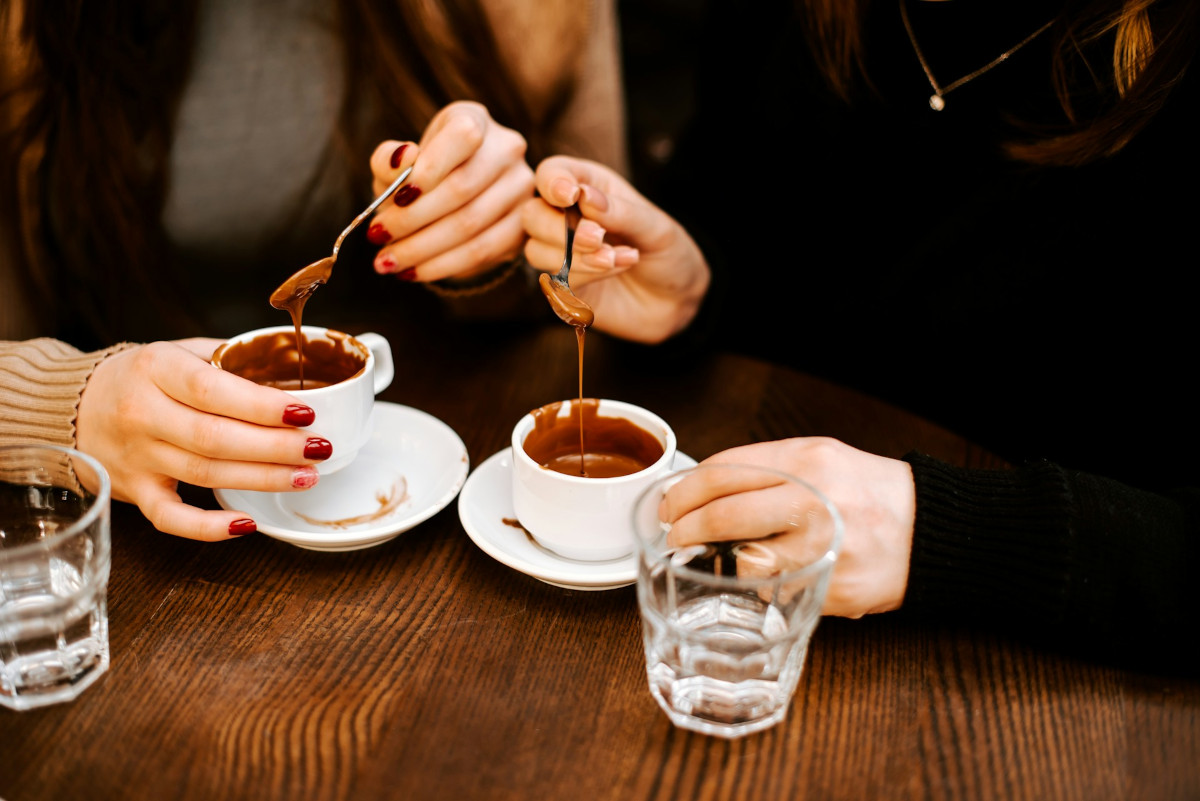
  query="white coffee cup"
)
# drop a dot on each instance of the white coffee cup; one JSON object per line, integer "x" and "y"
{"x": 344, "y": 411}
{"x": 582, "y": 518}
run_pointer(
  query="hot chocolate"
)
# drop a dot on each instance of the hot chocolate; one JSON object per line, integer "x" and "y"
{"x": 274, "y": 360}
{"x": 614, "y": 446}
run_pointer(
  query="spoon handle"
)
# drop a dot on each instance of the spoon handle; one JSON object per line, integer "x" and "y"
{"x": 369, "y": 210}
{"x": 573, "y": 216}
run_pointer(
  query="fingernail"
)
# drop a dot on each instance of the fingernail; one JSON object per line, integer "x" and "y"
{"x": 589, "y": 231}
{"x": 397, "y": 155}
{"x": 297, "y": 414}
{"x": 318, "y": 448}
{"x": 566, "y": 190}
{"x": 378, "y": 235}
{"x": 305, "y": 477}
{"x": 406, "y": 194}
{"x": 594, "y": 197}
{"x": 385, "y": 264}
{"x": 407, "y": 274}
{"x": 241, "y": 527}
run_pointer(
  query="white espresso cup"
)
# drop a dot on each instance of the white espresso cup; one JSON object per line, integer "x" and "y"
{"x": 578, "y": 517}
{"x": 344, "y": 410}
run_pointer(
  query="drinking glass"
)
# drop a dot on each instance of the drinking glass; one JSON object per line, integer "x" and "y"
{"x": 55, "y": 554}
{"x": 727, "y": 618}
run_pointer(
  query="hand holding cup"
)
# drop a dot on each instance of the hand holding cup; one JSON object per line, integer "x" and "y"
{"x": 158, "y": 414}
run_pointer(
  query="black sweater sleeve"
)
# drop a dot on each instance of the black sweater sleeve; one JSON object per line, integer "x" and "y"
{"x": 1064, "y": 558}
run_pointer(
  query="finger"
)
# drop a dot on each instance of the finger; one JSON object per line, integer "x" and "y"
{"x": 187, "y": 379}
{"x": 203, "y": 347}
{"x": 544, "y": 223}
{"x": 714, "y": 481}
{"x": 186, "y": 442}
{"x": 200, "y": 471}
{"x": 778, "y": 510}
{"x": 585, "y": 268}
{"x": 637, "y": 219}
{"x": 389, "y": 159}
{"x": 163, "y": 507}
{"x": 499, "y": 243}
{"x": 560, "y": 179}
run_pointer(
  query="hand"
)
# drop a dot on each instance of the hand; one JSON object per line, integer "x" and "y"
{"x": 459, "y": 212}
{"x": 875, "y": 496}
{"x": 633, "y": 263}
{"x": 158, "y": 414}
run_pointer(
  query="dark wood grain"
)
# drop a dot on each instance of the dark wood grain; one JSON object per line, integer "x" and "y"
{"x": 422, "y": 668}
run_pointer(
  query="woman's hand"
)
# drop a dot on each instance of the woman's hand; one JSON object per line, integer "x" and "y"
{"x": 159, "y": 414}
{"x": 633, "y": 263}
{"x": 459, "y": 212}
{"x": 875, "y": 496}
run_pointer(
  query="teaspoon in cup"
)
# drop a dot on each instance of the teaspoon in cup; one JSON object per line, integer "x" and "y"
{"x": 304, "y": 282}
{"x": 570, "y": 309}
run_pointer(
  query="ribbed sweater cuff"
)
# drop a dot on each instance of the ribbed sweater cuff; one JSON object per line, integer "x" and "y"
{"x": 41, "y": 381}
{"x": 990, "y": 544}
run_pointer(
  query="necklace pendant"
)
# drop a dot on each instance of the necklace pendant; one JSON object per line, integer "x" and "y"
{"x": 936, "y": 102}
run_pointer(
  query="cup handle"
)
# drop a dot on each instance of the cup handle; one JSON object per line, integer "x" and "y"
{"x": 385, "y": 370}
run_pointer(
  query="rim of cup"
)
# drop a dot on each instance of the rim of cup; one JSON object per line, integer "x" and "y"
{"x": 522, "y": 428}
{"x": 826, "y": 561}
{"x": 99, "y": 499}
{"x": 322, "y": 331}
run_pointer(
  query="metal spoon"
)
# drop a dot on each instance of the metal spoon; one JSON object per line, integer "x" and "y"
{"x": 304, "y": 282}
{"x": 569, "y": 308}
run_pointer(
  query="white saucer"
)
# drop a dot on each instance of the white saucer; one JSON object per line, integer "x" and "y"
{"x": 485, "y": 505}
{"x": 410, "y": 469}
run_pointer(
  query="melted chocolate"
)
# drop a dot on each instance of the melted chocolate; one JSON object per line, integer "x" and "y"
{"x": 615, "y": 446}
{"x": 274, "y": 360}
{"x": 291, "y": 296}
{"x": 569, "y": 308}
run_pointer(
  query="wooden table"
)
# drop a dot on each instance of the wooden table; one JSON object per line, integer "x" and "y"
{"x": 424, "y": 669}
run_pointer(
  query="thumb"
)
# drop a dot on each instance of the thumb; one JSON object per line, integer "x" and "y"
{"x": 626, "y": 215}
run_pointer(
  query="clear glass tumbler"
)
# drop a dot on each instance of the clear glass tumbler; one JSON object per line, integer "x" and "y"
{"x": 733, "y": 565}
{"x": 55, "y": 553}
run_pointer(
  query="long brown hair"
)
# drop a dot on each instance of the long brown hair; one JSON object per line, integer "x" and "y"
{"x": 90, "y": 95}
{"x": 1123, "y": 55}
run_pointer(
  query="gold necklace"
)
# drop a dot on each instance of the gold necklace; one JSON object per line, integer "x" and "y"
{"x": 937, "y": 100}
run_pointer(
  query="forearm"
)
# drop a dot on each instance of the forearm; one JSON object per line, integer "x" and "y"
{"x": 1066, "y": 558}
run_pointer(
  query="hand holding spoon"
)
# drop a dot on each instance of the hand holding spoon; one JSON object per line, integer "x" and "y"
{"x": 292, "y": 293}
{"x": 569, "y": 308}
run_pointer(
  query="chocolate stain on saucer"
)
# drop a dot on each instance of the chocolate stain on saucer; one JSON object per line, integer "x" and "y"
{"x": 389, "y": 501}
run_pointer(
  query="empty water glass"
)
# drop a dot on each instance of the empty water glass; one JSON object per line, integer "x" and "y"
{"x": 733, "y": 565}
{"x": 54, "y": 562}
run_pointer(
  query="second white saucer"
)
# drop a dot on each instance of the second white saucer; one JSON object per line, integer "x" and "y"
{"x": 486, "y": 511}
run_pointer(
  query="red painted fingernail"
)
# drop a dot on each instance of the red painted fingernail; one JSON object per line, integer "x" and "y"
{"x": 318, "y": 448}
{"x": 407, "y": 194}
{"x": 297, "y": 414}
{"x": 385, "y": 264}
{"x": 398, "y": 154}
{"x": 378, "y": 235}
{"x": 241, "y": 527}
{"x": 407, "y": 274}
{"x": 305, "y": 477}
